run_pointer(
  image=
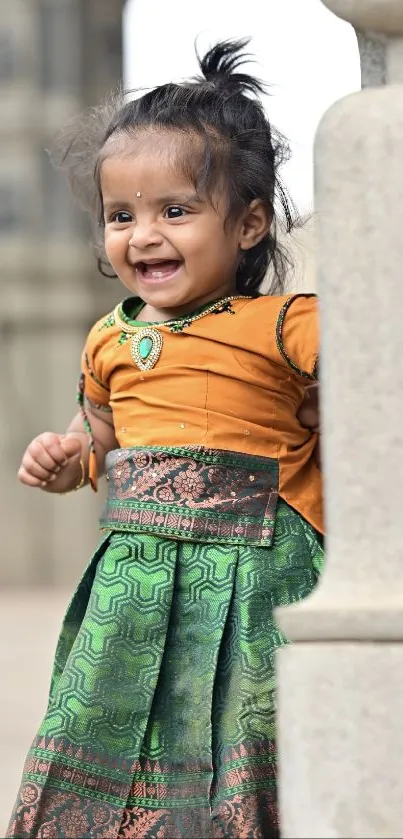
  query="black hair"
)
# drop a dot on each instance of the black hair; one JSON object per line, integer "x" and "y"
{"x": 241, "y": 151}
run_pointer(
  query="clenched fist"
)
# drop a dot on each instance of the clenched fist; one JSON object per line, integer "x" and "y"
{"x": 52, "y": 462}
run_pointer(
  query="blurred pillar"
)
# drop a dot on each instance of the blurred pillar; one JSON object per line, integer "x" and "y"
{"x": 56, "y": 57}
{"x": 340, "y": 682}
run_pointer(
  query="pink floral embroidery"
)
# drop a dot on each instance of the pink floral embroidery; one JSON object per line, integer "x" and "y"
{"x": 28, "y": 820}
{"x": 121, "y": 473}
{"x": 48, "y": 813}
{"x": 111, "y": 832}
{"x": 166, "y": 494}
{"x": 49, "y": 830}
{"x": 29, "y": 794}
{"x": 139, "y": 822}
{"x": 74, "y": 823}
{"x": 215, "y": 476}
{"x": 100, "y": 814}
{"x": 222, "y": 818}
{"x": 141, "y": 459}
{"x": 247, "y": 816}
{"x": 189, "y": 484}
{"x": 210, "y": 494}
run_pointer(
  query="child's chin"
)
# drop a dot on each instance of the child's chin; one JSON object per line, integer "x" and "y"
{"x": 166, "y": 296}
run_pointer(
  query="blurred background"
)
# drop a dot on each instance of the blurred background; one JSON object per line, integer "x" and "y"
{"x": 56, "y": 58}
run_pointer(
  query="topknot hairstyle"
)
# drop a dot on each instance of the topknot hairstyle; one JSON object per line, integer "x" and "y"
{"x": 241, "y": 153}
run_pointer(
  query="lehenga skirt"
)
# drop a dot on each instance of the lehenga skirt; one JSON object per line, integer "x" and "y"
{"x": 161, "y": 716}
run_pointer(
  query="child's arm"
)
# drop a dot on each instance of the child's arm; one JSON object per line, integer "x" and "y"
{"x": 52, "y": 461}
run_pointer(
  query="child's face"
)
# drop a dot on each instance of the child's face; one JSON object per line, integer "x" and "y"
{"x": 167, "y": 246}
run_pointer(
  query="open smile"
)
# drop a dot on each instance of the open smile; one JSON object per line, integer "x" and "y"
{"x": 157, "y": 270}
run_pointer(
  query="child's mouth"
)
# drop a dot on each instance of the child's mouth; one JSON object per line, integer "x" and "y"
{"x": 155, "y": 271}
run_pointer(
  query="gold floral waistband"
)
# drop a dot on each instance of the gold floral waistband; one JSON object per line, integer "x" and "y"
{"x": 204, "y": 495}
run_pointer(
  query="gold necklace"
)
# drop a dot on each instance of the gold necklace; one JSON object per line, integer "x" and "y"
{"x": 147, "y": 341}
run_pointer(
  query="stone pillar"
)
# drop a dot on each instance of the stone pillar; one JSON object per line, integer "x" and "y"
{"x": 56, "y": 57}
{"x": 340, "y": 682}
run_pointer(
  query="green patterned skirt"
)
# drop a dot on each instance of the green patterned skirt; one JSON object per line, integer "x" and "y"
{"x": 161, "y": 718}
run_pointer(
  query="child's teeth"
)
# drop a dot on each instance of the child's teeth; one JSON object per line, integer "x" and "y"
{"x": 157, "y": 274}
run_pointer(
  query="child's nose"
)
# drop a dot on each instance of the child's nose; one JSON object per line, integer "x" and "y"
{"x": 144, "y": 235}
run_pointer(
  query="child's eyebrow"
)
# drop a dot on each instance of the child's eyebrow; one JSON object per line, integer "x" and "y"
{"x": 183, "y": 198}
{"x": 189, "y": 198}
{"x": 114, "y": 202}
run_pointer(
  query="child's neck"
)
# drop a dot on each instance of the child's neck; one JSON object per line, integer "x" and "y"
{"x": 153, "y": 314}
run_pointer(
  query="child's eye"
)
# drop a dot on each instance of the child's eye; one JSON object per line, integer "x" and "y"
{"x": 174, "y": 212}
{"x": 121, "y": 217}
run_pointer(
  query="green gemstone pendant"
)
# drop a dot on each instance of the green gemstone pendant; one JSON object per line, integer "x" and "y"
{"x": 146, "y": 348}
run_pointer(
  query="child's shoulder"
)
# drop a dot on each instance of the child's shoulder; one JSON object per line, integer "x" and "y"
{"x": 277, "y": 301}
{"x": 104, "y": 329}
{"x": 275, "y": 307}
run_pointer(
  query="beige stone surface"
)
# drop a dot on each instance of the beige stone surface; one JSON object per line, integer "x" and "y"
{"x": 384, "y": 16}
{"x": 50, "y": 290}
{"x": 360, "y": 253}
{"x": 29, "y": 627}
{"x": 341, "y": 739}
{"x": 340, "y": 684}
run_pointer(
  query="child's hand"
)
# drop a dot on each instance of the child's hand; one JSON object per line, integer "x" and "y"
{"x": 51, "y": 462}
{"x": 308, "y": 414}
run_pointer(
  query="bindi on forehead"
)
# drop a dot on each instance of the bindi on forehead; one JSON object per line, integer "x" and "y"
{"x": 144, "y": 177}
{"x": 175, "y": 158}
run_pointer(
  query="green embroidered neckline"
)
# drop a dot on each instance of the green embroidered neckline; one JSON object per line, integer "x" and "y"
{"x": 135, "y": 304}
{"x": 143, "y": 329}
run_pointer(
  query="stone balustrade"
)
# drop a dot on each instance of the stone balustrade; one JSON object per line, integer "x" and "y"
{"x": 340, "y": 682}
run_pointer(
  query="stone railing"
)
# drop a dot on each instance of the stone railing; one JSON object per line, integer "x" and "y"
{"x": 341, "y": 681}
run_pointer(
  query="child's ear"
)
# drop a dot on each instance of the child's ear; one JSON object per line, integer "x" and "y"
{"x": 255, "y": 225}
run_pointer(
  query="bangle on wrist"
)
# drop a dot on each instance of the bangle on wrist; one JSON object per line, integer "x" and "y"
{"x": 81, "y": 481}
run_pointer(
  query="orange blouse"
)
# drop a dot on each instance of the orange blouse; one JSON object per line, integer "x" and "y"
{"x": 228, "y": 381}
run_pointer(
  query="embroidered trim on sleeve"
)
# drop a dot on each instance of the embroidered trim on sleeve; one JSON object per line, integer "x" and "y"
{"x": 105, "y": 408}
{"x": 92, "y": 374}
{"x": 279, "y": 340}
{"x": 87, "y": 425}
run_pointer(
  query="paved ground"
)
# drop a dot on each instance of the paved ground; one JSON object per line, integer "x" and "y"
{"x": 29, "y": 626}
